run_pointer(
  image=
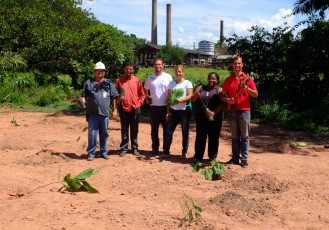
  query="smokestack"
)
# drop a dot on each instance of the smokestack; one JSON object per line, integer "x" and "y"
{"x": 168, "y": 34}
{"x": 154, "y": 38}
{"x": 221, "y": 34}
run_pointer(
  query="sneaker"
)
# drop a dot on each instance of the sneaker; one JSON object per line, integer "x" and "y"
{"x": 244, "y": 163}
{"x": 232, "y": 162}
{"x": 90, "y": 158}
{"x": 122, "y": 153}
{"x": 135, "y": 152}
{"x": 105, "y": 156}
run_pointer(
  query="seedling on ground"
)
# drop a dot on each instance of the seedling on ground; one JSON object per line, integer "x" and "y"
{"x": 77, "y": 183}
{"x": 191, "y": 211}
{"x": 14, "y": 122}
{"x": 213, "y": 172}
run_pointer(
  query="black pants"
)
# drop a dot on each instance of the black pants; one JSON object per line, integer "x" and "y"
{"x": 178, "y": 116}
{"x": 157, "y": 117}
{"x": 129, "y": 120}
{"x": 211, "y": 130}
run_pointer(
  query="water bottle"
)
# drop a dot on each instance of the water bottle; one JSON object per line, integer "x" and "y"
{"x": 210, "y": 118}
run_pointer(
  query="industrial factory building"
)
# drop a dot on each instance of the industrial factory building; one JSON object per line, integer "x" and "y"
{"x": 207, "y": 47}
{"x": 145, "y": 54}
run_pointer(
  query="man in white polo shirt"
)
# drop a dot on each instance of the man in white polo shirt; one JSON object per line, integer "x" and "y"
{"x": 156, "y": 87}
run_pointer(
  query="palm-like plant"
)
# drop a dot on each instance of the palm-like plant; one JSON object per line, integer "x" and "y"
{"x": 10, "y": 60}
{"x": 310, "y": 6}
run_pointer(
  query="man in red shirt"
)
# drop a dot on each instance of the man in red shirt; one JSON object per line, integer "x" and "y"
{"x": 236, "y": 90}
{"x": 131, "y": 97}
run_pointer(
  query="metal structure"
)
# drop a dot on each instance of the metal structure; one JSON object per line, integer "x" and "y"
{"x": 154, "y": 29}
{"x": 168, "y": 34}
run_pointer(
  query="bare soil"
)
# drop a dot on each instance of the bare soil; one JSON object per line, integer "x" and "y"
{"x": 284, "y": 187}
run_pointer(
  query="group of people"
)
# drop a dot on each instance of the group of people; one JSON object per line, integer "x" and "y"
{"x": 170, "y": 104}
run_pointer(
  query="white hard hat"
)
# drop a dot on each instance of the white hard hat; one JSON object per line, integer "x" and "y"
{"x": 99, "y": 65}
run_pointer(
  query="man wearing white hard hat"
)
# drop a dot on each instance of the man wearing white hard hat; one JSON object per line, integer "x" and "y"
{"x": 98, "y": 92}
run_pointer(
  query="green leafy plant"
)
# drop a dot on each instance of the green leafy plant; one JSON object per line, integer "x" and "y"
{"x": 175, "y": 95}
{"x": 77, "y": 183}
{"x": 192, "y": 212}
{"x": 213, "y": 172}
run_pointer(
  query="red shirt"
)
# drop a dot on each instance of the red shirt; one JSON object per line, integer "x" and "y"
{"x": 233, "y": 87}
{"x": 133, "y": 92}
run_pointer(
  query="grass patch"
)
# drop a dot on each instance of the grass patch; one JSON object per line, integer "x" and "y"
{"x": 195, "y": 75}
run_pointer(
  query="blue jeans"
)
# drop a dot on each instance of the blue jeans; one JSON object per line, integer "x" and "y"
{"x": 182, "y": 116}
{"x": 129, "y": 119}
{"x": 97, "y": 124}
{"x": 239, "y": 123}
{"x": 157, "y": 117}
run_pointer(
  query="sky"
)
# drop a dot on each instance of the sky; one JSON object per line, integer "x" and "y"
{"x": 193, "y": 20}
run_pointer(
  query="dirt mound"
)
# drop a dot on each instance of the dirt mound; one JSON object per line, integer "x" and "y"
{"x": 261, "y": 182}
{"x": 235, "y": 205}
{"x": 44, "y": 157}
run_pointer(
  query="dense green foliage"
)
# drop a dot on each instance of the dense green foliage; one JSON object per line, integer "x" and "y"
{"x": 310, "y": 6}
{"x": 196, "y": 75}
{"x": 171, "y": 54}
{"x": 54, "y": 36}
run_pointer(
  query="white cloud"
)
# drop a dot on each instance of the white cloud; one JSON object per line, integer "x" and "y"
{"x": 278, "y": 19}
{"x": 181, "y": 29}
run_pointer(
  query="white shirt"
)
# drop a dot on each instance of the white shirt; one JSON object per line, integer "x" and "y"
{"x": 158, "y": 87}
{"x": 184, "y": 85}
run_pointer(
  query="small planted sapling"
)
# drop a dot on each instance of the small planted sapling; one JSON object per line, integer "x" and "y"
{"x": 213, "y": 172}
{"x": 14, "y": 122}
{"x": 77, "y": 183}
{"x": 192, "y": 212}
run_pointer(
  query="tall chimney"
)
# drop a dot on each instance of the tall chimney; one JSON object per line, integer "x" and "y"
{"x": 221, "y": 34}
{"x": 154, "y": 38}
{"x": 168, "y": 34}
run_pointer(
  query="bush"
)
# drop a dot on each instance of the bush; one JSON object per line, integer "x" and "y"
{"x": 48, "y": 96}
{"x": 22, "y": 82}
{"x": 270, "y": 111}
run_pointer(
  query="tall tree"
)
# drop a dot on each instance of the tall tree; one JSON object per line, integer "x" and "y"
{"x": 171, "y": 54}
{"x": 310, "y": 6}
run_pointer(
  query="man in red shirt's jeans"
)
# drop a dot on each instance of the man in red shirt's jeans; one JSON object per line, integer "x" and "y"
{"x": 236, "y": 90}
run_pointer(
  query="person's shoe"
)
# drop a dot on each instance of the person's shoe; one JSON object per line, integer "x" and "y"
{"x": 165, "y": 155}
{"x": 244, "y": 164}
{"x": 232, "y": 162}
{"x": 135, "y": 152}
{"x": 122, "y": 153}
{"x": 155, "y": 152}
{"x": 105, "y": 156}
{"x": 90, "y": 158}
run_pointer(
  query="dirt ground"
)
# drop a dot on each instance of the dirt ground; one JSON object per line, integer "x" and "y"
{"x": 284, "y": 187}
